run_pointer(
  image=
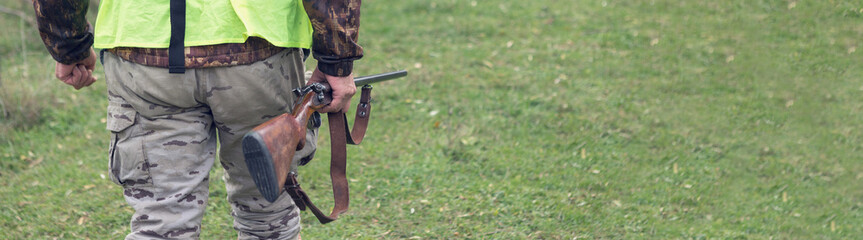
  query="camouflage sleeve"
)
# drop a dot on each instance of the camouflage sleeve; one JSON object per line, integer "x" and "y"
{"x": 64, "y": 29}
{"x": 336, "y": 26}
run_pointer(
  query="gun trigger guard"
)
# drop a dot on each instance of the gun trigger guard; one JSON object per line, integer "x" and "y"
{"x": 315, "y": 120}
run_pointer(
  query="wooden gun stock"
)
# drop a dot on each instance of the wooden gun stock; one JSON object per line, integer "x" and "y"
{"x": 270, "y": 147}
{"x": 286, "y": 134}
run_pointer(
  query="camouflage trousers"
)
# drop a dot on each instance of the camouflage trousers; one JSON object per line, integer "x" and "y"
{"x": 164, "y": 129}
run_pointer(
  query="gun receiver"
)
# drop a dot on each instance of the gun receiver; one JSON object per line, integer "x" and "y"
{"x": 270, "y": 147}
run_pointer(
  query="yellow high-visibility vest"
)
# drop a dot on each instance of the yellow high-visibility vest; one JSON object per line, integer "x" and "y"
{"x": 146, "y": 23}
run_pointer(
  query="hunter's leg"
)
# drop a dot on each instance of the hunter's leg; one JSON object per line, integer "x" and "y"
{"x": 162, "y": 148}
{"x": 243, "y": 97}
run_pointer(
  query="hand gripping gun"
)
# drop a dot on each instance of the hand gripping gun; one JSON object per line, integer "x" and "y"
{"x": 269, "y": 148}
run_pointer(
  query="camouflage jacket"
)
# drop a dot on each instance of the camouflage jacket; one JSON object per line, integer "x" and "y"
{"x": 68, "y": 37}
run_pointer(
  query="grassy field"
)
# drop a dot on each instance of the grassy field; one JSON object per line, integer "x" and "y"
{"x": 549, "y": 119}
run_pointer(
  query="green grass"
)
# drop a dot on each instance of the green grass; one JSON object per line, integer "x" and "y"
{"x": 526, "y": 119}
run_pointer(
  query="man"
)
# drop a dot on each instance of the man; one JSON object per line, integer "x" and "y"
{"x": 241, "y": 60}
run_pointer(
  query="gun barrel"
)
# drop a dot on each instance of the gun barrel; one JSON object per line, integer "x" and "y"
{"x": 366, "y": 80}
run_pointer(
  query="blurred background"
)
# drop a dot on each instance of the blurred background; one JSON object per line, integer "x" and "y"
{"x": 547, "y": 119}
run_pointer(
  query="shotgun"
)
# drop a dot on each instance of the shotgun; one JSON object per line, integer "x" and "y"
{"x": 269, "y": 148}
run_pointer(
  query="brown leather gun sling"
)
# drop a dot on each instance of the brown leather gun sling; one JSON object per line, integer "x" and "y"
{"x": 269, "y": 147}
{"x": 339, "y": 138}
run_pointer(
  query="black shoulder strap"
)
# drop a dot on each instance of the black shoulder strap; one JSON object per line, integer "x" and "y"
{"x": 176, "y": 54}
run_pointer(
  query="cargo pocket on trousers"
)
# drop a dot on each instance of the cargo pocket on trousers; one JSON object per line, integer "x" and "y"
{"x": 125, "y": 153}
